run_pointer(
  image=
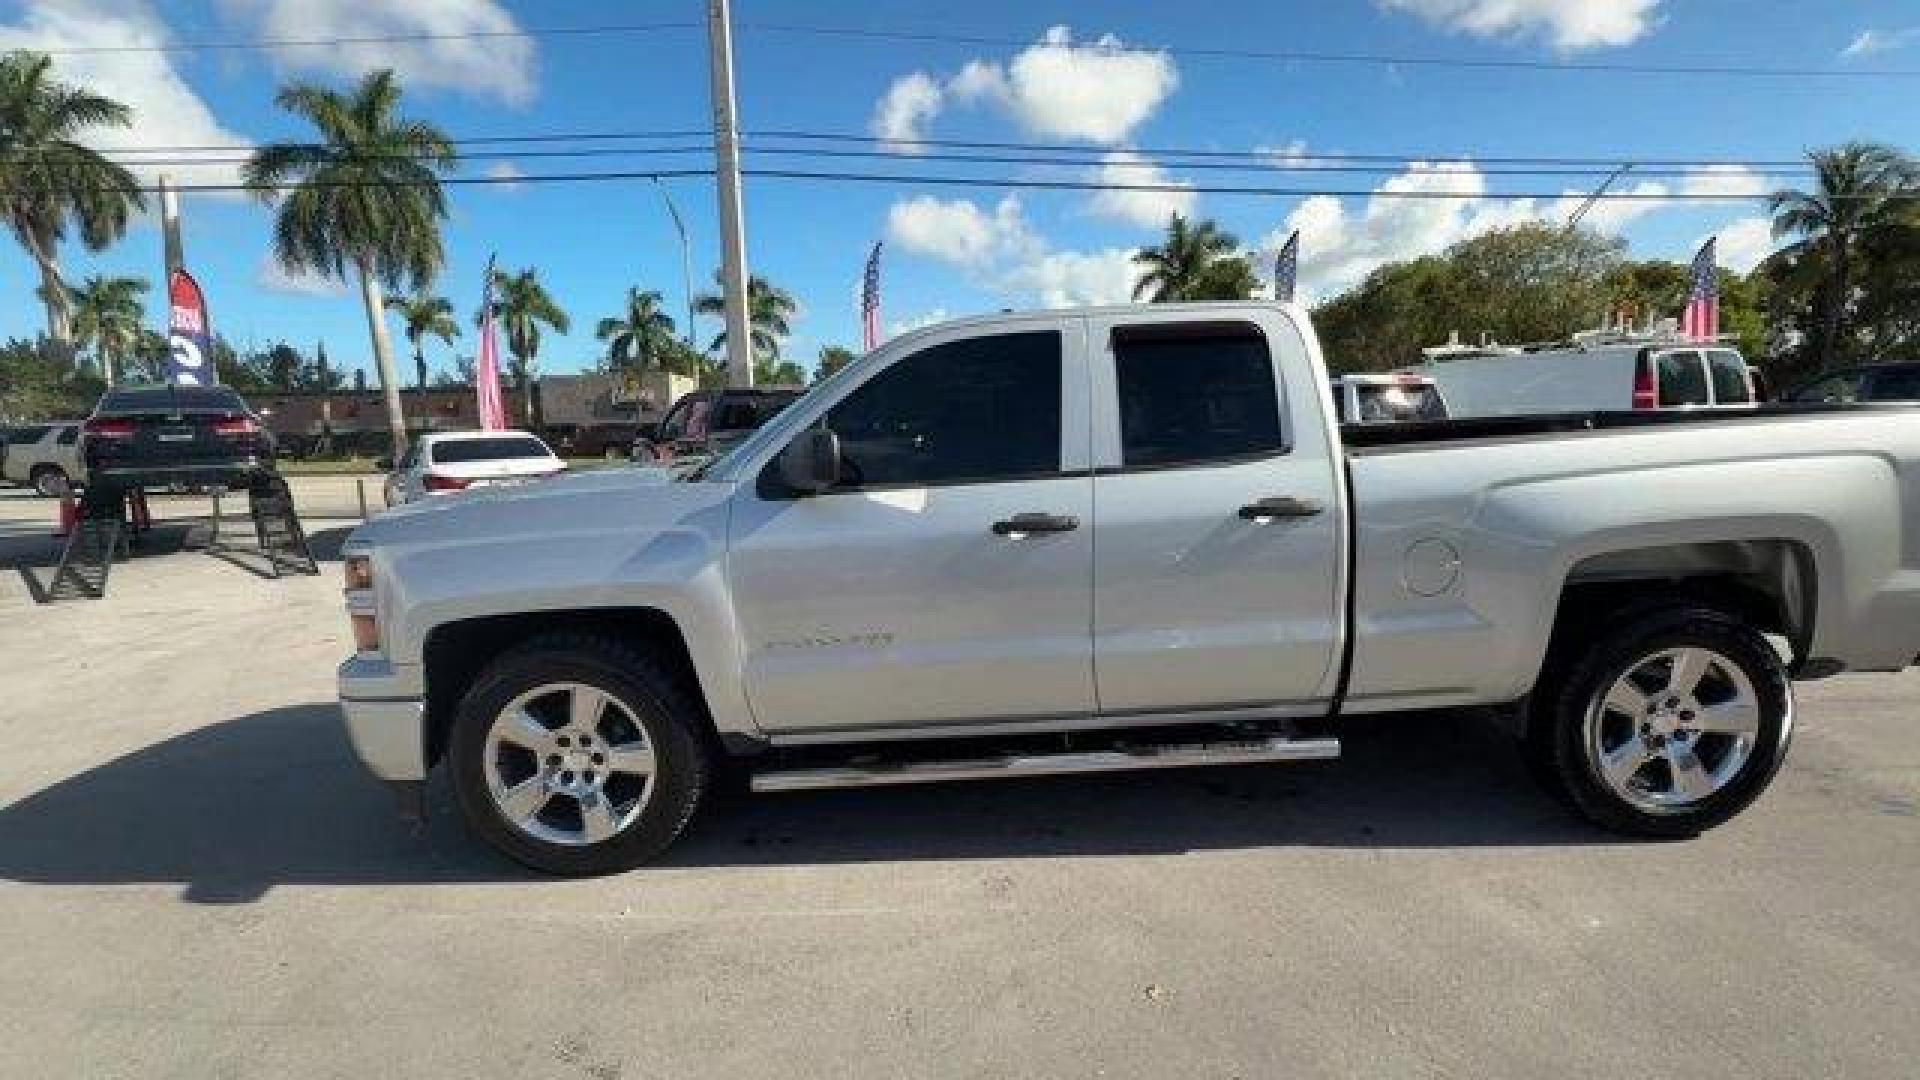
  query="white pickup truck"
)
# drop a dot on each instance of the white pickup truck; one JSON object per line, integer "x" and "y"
{"x": 1127, "y": 538}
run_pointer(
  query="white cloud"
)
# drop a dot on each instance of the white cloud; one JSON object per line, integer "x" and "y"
{"x": 166, "y": 111}
{"x": 1339, "y": 247}
{"x": 908, "y": 325}
{"x": 498, "y": 66}
{"x": 1075, "y": 278}
{"x": 903, "y": 113}
{"x": 1096, "y": 92}
{"x": 959, "y": 232}
{"x": 273, "y": 277}
{"x": 1869, "y": 42}
{"x": 998, "y": 250}
{"x": 1744, "y": 243}
{"x": 1147, "y": 209}
{"x": 506, "y": 177}
{"x": 1729, "y": 182}
{"x": 1569, "y": 25}
{"x": 1291, "y": 155}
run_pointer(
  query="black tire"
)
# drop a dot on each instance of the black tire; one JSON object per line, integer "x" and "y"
{"x": 659, "y": 703}
{"x": 47, "y": 480}
{"x": 1562, "y": 755}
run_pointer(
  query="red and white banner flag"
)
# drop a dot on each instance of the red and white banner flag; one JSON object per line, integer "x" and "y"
{"x": 486, "y": 368}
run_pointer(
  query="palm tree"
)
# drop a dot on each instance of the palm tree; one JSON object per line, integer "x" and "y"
{"x": 643, "y": 337}
{"x": 1177, "y": 269}
{"x": 50, "y": 183}
{"x": 1856, "y": 187}
{"x": 367, "y": 195}
{"x": 520, "y": 305}
{"x": 768, "y": 309}
{"x": 108, "y": 317}
{"x": 423, "y": 315}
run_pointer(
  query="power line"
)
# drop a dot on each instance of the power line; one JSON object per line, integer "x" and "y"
{"x": 1194, "y": 51}
{"x": 1089, "y": 159}
{"x": 1375, "y": 59}
{"x": 910, "y": 179}
{"x": 1092, "y": 154}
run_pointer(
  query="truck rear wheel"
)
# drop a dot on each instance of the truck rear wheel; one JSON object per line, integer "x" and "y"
{"x": 1666, "y": 727}
{"x": 575, "y": 755}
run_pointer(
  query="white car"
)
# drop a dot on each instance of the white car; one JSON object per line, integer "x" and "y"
{"x": 458, "y": 460}
{"x": 43, "y": 456}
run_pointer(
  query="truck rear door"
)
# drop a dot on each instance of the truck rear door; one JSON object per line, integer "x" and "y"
{"x": 1218, "y": 568}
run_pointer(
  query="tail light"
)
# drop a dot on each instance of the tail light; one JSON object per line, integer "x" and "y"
{"x": 236, "y": 425}
{"x": 108, "y": 428}
{"x": 437, "y": 482}
{"x": 1645, "y": 396}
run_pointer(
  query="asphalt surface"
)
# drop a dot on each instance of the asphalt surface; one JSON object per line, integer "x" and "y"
{"x": 198, "y": 881}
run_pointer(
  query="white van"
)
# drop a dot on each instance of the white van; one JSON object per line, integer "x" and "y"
{"x": 1601, "y": 376}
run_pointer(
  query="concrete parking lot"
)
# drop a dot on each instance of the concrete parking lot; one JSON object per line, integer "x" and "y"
{"x": 197, "y": 880}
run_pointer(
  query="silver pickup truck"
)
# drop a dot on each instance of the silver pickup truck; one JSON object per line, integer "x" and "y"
{"x": 1127, "y": 538}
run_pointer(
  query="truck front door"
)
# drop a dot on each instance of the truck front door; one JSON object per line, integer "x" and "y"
{"x": 948, "y": 579}
{"x": 1218, "y": 575}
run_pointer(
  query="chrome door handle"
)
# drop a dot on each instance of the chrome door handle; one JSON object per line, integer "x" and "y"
{"x": 1025, "y": 524}
{"x": 1282, "y": 506}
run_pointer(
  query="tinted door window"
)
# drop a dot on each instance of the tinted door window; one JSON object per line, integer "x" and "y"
{"x": 68, "y": 436}
{"x": 971, "y": 411}
{"x": 1190, "y": 395}
{"x": 1682, "y": 380}
{"x": 1896, "y": 384}
{"x": 1728, "y": 370}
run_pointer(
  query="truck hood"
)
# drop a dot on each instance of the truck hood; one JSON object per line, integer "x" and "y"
{"x": 632, "y": 501}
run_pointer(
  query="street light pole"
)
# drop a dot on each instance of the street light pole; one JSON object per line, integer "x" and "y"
{"x": 686, "y": 254}
{"x": 733, "y": 229}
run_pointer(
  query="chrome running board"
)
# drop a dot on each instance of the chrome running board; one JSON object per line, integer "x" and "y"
{"x": 878, "y": 774}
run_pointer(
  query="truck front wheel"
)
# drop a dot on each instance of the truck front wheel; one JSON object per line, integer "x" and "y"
{"x": 1667, "y": 726}
{"x": 575, "y": 755}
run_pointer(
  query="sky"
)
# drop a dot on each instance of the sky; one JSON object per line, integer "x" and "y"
{"x": 1116, "y": 84}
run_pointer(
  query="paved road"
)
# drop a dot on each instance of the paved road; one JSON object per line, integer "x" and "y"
{"x": 196, "y": 881}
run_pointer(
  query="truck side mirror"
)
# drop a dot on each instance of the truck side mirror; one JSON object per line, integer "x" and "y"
{"x": 811, "y": 462}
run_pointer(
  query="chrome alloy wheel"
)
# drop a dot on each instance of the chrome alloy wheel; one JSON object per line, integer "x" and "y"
{"x": 568, "y": 764}
{"x": 1674, "y": 729}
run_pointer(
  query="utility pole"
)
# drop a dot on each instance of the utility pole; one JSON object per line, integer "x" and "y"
{"x": 170, "y": 226}
{"x": 733, "y": 226}
{"x": 686, "y": 254}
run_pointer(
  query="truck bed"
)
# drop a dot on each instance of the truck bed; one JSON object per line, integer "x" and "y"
{"x": 1360, "y": 439}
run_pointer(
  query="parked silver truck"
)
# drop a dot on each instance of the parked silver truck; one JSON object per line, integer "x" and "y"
{"x": 1127, "y": 538}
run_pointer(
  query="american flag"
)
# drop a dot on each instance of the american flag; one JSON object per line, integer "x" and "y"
{"x": 870, "y": 301}
{"x": 486, "y": 368}
{"x": 1286, "y": 269}
{"x": 1701, "y": 321}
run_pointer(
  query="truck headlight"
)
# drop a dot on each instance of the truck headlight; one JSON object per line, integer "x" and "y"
{"x": 360, "y": 604}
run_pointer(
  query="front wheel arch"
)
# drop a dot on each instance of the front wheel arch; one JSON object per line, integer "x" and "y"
{"x": 456, "y": 653}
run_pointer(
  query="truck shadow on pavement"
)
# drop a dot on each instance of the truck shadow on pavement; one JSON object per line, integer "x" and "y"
{"x": 233, "y": 809}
